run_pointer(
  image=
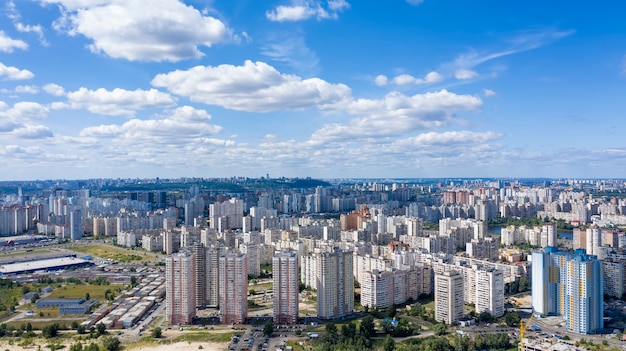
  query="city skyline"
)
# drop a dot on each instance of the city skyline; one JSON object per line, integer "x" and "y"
{"x": 327, "y": 89}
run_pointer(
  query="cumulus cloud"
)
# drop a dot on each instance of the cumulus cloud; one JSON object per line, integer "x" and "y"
{"x": 20, "y": 120}
{"x": 450, "y": 138}
{"x": 8, "y": 44}
{"x": 54, "y": 89}
{"x": 184, "y": 128}
{"x": 26, "y": 89}
{"x": 116, "y": 102}
{"x": 26, "y": 110}
{"x": 405, "y": 79}
{"x": 301, "y": 10}
{"x": 31, "y": 131}
{"x": 489, "y": 93}
{"x": 381, "y": 80}
{"x": 253, "y": 87}
{"x": 464, "y": 74}
{"x": 14, "y": 73}
{"x": 166, "y": 30}
{"x": 397, "y": 113}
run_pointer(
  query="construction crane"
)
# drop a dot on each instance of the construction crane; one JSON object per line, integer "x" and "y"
{"x": 522, "y": 329}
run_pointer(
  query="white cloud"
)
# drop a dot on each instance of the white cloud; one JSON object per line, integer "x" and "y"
{"x": 432, "y": 77}
{"x": 489, "y": 93}
{"x": 26, "y": 89}
{"x": 396, "y": 114}
{"x": 253, "y": 87}
{"x": 381, "y": 80}
{"x": 16, "y": 17}
{"x": 31, "y": 131}
{"x": 17, "y": 121}
{"x": 522, "y": 42}
{"x": 180, "y": 138}
{"x": 26, "y": 110}
{"x": 449, "y": 138}
{"x": 405, "y": 79}
{"x": 166, "y": 30}
{"x": 117, "y": 102}
{"x": 7, "y": 44}
{"x": 290, "y": 13}
{"x": 464, "y": 74}
{"x": 14, "y": 73}
{"x": 302, "y": 10}
{"x": 54, "y": 89}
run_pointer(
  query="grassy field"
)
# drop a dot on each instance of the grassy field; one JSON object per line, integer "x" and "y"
{"x": 111, "y": 253}
{"x": 201, "y": 336}
{"x": 38, "y": 325}
{"x": 22, "y": 254}
{"x": 96, "y": 292}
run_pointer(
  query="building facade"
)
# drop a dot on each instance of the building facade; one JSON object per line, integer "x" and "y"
{"x": 233, "y": 288}
{"x": 335, "y": 284}
{"x": 449, "y": 299}
{"x": 286, "y": 293}
{"x": 180, "y": 288}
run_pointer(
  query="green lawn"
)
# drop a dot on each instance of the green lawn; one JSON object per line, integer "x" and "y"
{"x": 96, "y": 292}
{"x": 199, "y": 336}
{"x": 111, "y": 253}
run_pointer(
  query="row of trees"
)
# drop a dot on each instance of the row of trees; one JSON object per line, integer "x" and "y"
{"x": 458, "y": 343}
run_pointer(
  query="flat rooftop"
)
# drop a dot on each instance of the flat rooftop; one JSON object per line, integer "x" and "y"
{"x": 50, "y": 264}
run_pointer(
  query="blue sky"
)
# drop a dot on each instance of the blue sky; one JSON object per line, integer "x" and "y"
{"x": 340, "y": 88}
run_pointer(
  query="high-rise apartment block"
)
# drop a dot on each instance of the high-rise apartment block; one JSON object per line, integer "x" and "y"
{"x": 490, "y": 291}
{"x": 583, "y": 295}
{"x": 545, "y": 282}
{"x": 233, "y": 288}
{"x": 180, "y": 288}
{"x": 569, "y": 284}
{"x": 226, "y": 215}
{"x": 449, "y": 299}
{"x": 335, "y": 284}
{"x": 286, "y": 293}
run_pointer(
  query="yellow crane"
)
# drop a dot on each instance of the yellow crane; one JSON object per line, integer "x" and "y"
{"x": 522, "y": 329}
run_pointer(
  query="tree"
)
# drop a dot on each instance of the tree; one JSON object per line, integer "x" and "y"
{"x": 92, "y": 347}
{"x": 512, "y": 319}
{"x": 87, "y": 296}
{"x": 74, "y": 325}
{"x": 387, "y": 326}
{"x": 440, "y": 329}
{"x": 367, "y": 327}
{"x": 392, "y": 310}
{"x": 485, "y": 316}
{"x": 331, "y": 331}
{"x": 389, "y": 344}
{"x": 523, "y": 284}
{"x": 50, "y": 331}
{"x": 111, "y": 343}
{"x": 156, "y": 333}
{"x": 80, "y": 329}
{"x": 101, "y": 328}
{"x": 76, "y": 347}
{"x": 268, "y": 329}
